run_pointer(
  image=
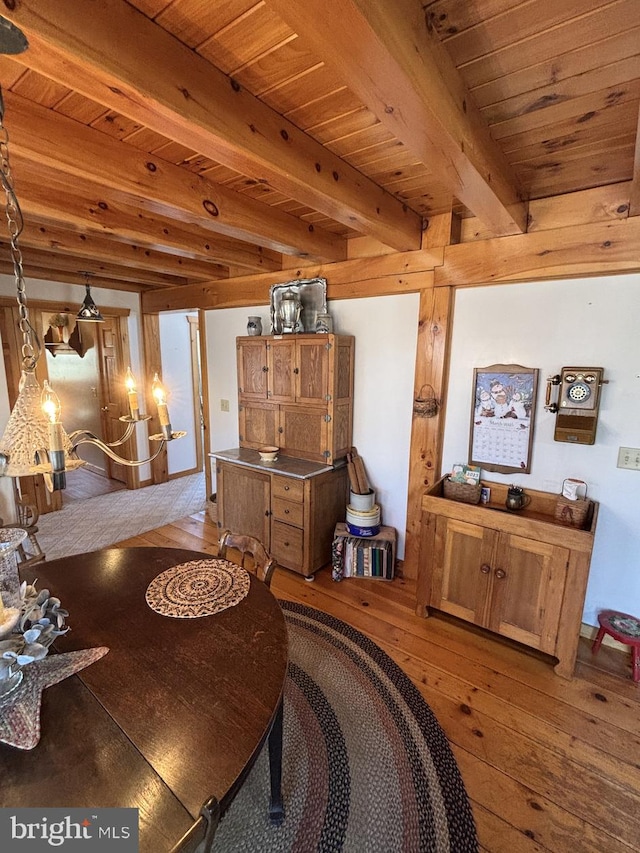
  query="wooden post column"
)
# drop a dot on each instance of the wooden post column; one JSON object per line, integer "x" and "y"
{"x": 432, "y": 363}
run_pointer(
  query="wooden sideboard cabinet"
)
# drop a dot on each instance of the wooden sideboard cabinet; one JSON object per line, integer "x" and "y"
{"x": 291, "y": 505}
{"x": 520, "y": 574}
{"x": 296, "y": 392}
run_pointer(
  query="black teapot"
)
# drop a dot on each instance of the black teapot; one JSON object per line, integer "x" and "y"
{"x": 516, "y": 498}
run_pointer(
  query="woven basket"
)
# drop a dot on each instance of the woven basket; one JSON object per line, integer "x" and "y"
{"x": 573, "y": 513}
{"x": 212, "y": 508}
{"x": 464, "y": 492}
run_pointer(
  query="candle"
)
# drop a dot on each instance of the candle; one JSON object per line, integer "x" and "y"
{"x": 51, "y": 407}
{"x": 132, "y": 394}
{"x": 160, "y": 396}
{"x": 1, "y": 610}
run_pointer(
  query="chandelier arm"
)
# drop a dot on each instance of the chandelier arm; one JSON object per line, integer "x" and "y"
{"x": 106, "y": 448}
{"x": 80, "y": 436}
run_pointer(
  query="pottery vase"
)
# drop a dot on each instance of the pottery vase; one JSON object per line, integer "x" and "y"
{"x": 254, "y": 326}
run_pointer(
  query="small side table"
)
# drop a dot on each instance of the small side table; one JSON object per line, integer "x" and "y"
{"x": 625, "y": 629}
{"x": 368, "y": 557}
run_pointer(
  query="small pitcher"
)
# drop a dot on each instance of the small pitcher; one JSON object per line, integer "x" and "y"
{"x": 516, "y": 498}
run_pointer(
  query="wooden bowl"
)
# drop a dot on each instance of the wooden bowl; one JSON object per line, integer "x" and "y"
{"x": 268, "y": 454}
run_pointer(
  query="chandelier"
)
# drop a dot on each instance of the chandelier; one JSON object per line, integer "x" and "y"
{"x": 34, "y": 440}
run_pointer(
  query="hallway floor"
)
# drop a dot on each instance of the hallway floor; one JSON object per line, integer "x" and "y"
{"x": 83, "y": 484}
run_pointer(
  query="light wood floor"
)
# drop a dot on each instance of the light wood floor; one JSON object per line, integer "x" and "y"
{"x": 549, "y": 764}
{"x": 83, "y": 484}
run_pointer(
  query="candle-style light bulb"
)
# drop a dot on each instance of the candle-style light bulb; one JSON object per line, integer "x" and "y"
{"x": 132, "y": 394}
{"x": 50, "y": 403}
{"x": 160, "y": 396}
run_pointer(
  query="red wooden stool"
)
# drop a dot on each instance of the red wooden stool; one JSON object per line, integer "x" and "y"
{"x": 623, "y": 628}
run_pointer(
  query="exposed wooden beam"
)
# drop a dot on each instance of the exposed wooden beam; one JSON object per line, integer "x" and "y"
{"x": 42, "y": 259}
{"x": 41, "y": 235}
{"x": 87, "y": 207}
{"x": 432, "y": 358}
{"x": 111, "y": 52}
{"x": 51, "y": 273}
{"x": 43, "y": 136}
{"x": 396, "y": 66}
{"x": 601, "y": 248}
{"x": 406, "y": 272}
{"x": 634, "y": 195}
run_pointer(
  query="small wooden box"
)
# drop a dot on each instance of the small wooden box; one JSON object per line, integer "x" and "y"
{"x": 371, "y": 557}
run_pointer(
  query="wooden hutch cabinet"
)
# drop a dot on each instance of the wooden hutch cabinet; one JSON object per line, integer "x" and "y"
{"x": 292, "y": 505}
{"x": 520, "y": 574}
{"x": 296, "y": 392}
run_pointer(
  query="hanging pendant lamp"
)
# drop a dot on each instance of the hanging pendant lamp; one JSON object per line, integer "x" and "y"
{"x": 89, "y": 312}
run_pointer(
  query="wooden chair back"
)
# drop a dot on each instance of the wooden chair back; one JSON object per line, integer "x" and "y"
{"x": 253, "y": 555}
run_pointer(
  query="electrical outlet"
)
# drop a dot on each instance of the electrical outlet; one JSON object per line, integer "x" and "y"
{"x": 629, "y": 457}
{"x": 224, "y": 405}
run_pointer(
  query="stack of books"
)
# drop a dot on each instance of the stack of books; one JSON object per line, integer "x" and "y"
{"x": 357, "y": 557}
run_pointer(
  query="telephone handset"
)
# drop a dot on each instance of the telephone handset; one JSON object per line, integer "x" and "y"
{"x": 577, "y": 404}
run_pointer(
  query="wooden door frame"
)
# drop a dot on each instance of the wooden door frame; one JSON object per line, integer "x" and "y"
{"x": 198, "y": 413}
{"x": 33, "y": 487}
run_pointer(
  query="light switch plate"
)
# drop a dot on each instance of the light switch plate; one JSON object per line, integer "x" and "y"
{"x": 629, "y": 457}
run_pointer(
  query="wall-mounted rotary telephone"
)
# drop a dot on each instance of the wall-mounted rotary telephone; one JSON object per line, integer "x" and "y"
{"x": 577, "y": 403}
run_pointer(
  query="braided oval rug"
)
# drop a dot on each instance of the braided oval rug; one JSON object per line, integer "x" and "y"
{"x": 366, "y": 765}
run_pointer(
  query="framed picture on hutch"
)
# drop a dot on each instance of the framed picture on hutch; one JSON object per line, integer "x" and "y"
{"x": 502, "y": 417}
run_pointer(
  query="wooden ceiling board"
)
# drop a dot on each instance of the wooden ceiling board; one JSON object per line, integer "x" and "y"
{"x": 448, "y": 17}
{"x": 609, "y": 77}
{"x": 601, "y": 126}
{"x": 332, "y": 107}
{"x": 559, "y": 69}
{"x": 289, "y": 62}
{"x": 557, "y": 85}
{"x": 580, "y": 109}
{"x": 37, "y": 88}
{"x": 585, "y": 173}
{"x": 516, "y": 24}
{"x": 317, "y": 83}
{"x": 588, "y": 30}
{"x": 243, "y": 41}
{"x": 194, "y": 21}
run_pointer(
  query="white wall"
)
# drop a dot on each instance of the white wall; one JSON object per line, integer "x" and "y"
{"x": 385, "y": 329}
{"x": 550, "y": 325}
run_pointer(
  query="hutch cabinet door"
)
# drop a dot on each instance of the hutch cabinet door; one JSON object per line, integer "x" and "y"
{"x": 244, "y": 501}
{"x": 312, "y": 371}
{"x": 528, "y": 587}
{"x": 281, "y": 361}
{"x": 253, "y": 371}
{"x": 304, "y": 432}
{"x": 258, "y": 424}
{"x": 461, "y": 580}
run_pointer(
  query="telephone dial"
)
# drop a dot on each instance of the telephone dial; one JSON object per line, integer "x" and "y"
{"x": 576, "y": 404}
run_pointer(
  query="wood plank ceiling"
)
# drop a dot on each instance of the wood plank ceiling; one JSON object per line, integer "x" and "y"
{"x": 156, "y": 143}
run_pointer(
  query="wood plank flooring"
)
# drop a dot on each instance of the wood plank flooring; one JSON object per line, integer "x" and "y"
{"x": 549, "y": 764}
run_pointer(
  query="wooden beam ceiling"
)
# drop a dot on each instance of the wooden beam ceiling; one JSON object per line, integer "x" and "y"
{"x": 113, "y": 53}
{"x": 49, "y": 139}
{"x": 406, "y": 78}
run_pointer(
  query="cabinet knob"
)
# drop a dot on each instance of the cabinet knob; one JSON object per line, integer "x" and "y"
{"x": 485, "y": 568}
{"x": 267, "y": 512}
{"x": 286, "y": 488}
{"x": 286, "y": 512}
{"x": 265, "y": 369}
{"x": 296, "y": 370}
{"x": 500, "y": 573}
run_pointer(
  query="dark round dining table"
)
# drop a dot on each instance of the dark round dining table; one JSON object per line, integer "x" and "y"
{"x": 175, "y": 713}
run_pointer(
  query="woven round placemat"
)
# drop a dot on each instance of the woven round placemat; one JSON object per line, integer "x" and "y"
{"x": 197, "y": 588}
